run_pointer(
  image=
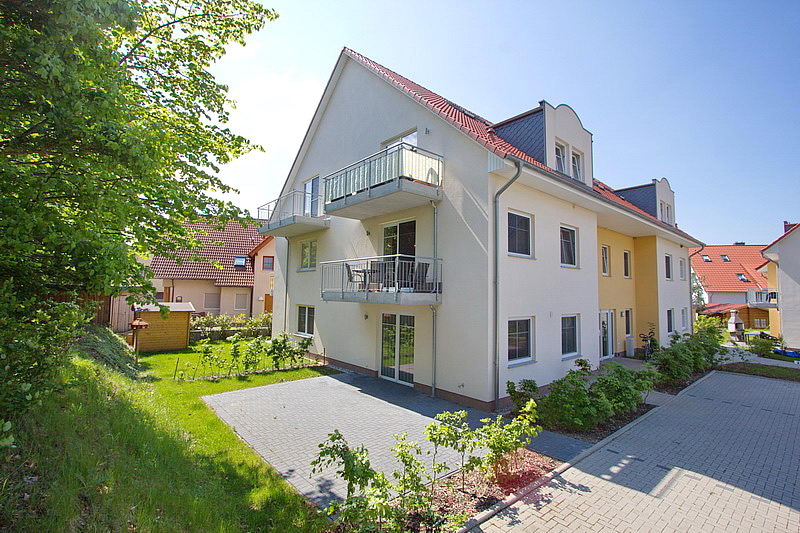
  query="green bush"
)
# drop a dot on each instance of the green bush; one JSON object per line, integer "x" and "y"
{"x": 691, "y": 353}
{"x": 502, "y": 439}
{"x": 522, "y": 394}
{"x": 761, "y": 347}
{"x": 622, "y": 387}
{"x": 571, "y": 404}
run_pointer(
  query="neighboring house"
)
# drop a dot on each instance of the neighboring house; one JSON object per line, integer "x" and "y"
{"x": 782, "y": 268}
{"x": 730, "y": 280}
{"x": 234, "y": 274}
{"x": 387, "y": 251}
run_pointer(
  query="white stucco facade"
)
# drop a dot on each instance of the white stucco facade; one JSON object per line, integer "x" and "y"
{"x": 785, "y": 253}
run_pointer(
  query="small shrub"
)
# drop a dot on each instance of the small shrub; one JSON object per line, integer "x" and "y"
{"x": 503, "y": 439}
{"x": 413, "y": 494}
{"x": 622, "y": 387}
{"x": 571, "y": 404}
{"x": 761, "y": 347}
{"x": 674, "y": 363}
{"x": 527, "y": 391}
{"x": 452, "y": 431}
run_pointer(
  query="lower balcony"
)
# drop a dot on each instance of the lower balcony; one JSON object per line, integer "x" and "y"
{"x": 388, "y": 279}
{"x": 763, "y": 299}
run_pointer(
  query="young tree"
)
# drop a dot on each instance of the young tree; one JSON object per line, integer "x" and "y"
{"x": 112, "y": 132}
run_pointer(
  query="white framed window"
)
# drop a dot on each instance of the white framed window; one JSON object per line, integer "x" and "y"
{"x": 626, "y": 264}
{"x": 305, "y": 319}
{"x": 684, "y": 318}
{"x": 561, "y": 158}
{"x": 725, "y": 258}
{"x": 670, "y": 320}
{"x": 628, "y": 322}
{"x": 311, "y": 197}
{"x": 760, "y": 323}
{"x": 682, "y": 268}
{"x": 706, "y": 258}
{"x": 569, "y": 246}
{"x": 605, "y": 260}
{"x": 520, "y": 339}
{"x": 668, "y": 266}
{"x": 308, "y": 255}
{"x": 240, "y": 301}
{"x": 211, "y": 300}
{"x": 520, "y": 234}
{"x": 239, "y": 261}
{"x": 570, "y": 326}
{"x": 577, "y": 166}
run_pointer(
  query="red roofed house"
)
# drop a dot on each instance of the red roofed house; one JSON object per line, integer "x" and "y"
{"x": 730, "y": 277}
{"x": 432, "y": 247}
{"x": 234, "y": 276}
{"x": 782, "y": 268}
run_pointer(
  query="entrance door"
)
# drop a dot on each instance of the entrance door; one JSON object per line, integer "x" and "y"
{"x": 606, "y": 333}
{"x": 267, "y": 303}
{"x": 397, "y": 347}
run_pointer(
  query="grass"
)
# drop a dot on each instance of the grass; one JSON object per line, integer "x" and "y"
{"x": 767, "y": 371}
{"x": 780, "y": 357}
{"x": 110, "y": 453}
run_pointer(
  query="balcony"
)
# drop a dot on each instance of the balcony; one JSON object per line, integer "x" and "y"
{"x": 763, "y": 299}
{"x": 294, "y": 213}
{"x": 388, "y": 279}
{"x": 394, "y": 179}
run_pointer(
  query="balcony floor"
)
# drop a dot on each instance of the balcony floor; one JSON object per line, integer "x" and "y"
{"x": 294, "y": 225}
{"x": 395, "y": 195}
{"x": 380, "y": 297}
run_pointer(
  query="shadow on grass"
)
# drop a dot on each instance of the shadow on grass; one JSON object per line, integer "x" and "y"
{"x": 108, "y": 457}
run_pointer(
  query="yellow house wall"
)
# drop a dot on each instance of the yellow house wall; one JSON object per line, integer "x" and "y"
{"x": 616, "y": 291}
{"x": 774, "y": 314}
{"x": 645, "y": 275}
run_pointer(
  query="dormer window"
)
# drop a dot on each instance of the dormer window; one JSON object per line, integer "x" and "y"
{"x": 742, "y": 277}
{"x": 239, "y": 261}
{"x": 725, "y": 258}
{"x": 706, "y": 258}
{"x": 561, "y": 158}
{"x": 577, "y": 166}
{"x": 666, "y": 213}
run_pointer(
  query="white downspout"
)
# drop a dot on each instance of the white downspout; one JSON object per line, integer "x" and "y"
{"x": 433, "y": 307}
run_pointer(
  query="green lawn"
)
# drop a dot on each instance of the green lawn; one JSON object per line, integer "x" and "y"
{"x": 109, "y": 453}
{"x": 767, "y": 371}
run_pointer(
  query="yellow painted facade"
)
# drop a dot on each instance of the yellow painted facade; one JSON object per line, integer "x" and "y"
{"x": 616, "y": 291}
{"x": 645, "y": 275}
{"x": 774, "y": 314}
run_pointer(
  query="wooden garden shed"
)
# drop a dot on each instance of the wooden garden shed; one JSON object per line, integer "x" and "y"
{"x": 170, "y": 333}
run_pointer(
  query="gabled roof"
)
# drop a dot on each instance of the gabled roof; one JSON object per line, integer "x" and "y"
{"x": 792, "y": 229}
{"x": 483, "y": 131}
{"x": 718, "y": 309}
{"x": 719, "y": 275}
{"x": 219, "y": 246}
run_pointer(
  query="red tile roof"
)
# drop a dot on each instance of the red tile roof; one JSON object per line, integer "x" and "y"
{"x": 719, "y": 275}
{"x": 482, "y": 130}
{"x": 219, "y": 246}
{"x": 718, "y": 309}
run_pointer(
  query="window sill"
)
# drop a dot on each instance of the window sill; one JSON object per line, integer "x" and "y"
{"x": 306, "y": 269}
{"x": 563, "y": 265}
{"x": 303, "y": 335}
{"x": 570, "y": 356}
{"x": 521, "y": 362}
{"x": 521, "y": 256}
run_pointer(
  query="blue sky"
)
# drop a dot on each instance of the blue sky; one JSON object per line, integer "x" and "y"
{"x": 703, "y": 93}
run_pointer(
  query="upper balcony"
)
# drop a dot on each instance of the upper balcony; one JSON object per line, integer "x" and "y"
{"x": 294, "y": 213}
{"x": 397, "y": 178}
{"x": 763, "y": 298}
{"x": 388, "y": 279}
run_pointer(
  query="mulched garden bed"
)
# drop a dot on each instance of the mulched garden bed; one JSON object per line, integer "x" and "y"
{"x": 525, "y": 467}
{"x": 607, "y": 428}
{"x": 675, "y": 388}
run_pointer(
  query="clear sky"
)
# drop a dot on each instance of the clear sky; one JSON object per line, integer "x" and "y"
{"x": 703, "y": 93}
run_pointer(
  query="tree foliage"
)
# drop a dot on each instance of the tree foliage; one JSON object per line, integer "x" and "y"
{"x": 112, "y": 132}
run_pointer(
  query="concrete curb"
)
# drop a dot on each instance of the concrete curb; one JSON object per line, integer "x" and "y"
{"x": 511, "y": 499}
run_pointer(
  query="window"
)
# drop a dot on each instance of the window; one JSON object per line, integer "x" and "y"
{"x": 311, "y": 197}
{"x": 666, "y": 212}
{"x": 626, "y": 264}
{"x": 577, "y": 166}
{"x": 725, "y": 258}
{"x": 519, "y": 234}
{"x": 239, "y": 261}
{"x": 159, "y": 296}
{"x": 211, "y": 300}
{"x": 241, "y": 301}
{"x": 742, "y": 277}
{"x": 760, "y": 322}
{"x": 670, "y": 320}
{"x": 628, "y": 323}
{"x": 706, "y": 258}
{"x": 305, "y": 319}
{"x": 668, "y": 266}
{"x": 682, "y": 268}
{"x": 685, "y": 318}
{"x": 569, "y": 252}
{"x": 569, "y": 335}
{"x": 561, "y": 158}
{"x": 520, "y": 335}
{"x": 308, "y": 255}
{"x": 605, "y": 260}
{"x": 268, "y": 262}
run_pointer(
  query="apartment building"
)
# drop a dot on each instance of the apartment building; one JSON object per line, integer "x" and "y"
{"x": 782, "y": 269}
{"x": 421, "y": 243}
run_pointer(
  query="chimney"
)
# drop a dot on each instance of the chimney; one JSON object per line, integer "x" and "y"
{"x": 787, "y": 226}
{"x": 739, "y": 243}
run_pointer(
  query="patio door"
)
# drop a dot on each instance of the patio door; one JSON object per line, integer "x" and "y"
{"x": 397, "y": 347}
{"x": 398, "y": 239}
{"x": 606, "y": 333}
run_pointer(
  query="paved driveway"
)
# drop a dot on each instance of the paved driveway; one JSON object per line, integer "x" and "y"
{"x": 724, "y": 455}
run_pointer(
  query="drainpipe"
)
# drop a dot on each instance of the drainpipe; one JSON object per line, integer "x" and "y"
{"x": 433, "y": 307}
{"x": 286, "y": 289}
{"x": 496, "y": 276}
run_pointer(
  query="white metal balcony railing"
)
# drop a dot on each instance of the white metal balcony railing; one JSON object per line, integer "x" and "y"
{"x": 763, "y": 297}
{"x": 388, "y": 274}
{"x": 293, "y": 203}
{"x": 402, "y": 161}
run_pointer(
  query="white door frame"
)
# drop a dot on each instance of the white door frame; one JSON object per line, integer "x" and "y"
{"x": 610, "y": 343}
{"x": 397, "y": 315}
